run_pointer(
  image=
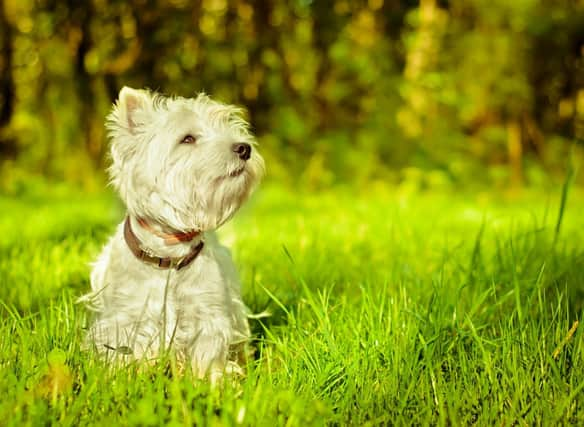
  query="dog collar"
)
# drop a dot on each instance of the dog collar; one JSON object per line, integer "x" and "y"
{"x": 166, "y": 262}
{"x": 169, "y": 238}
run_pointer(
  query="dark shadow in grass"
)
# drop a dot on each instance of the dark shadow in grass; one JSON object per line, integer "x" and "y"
{"x": 271, "y": 316}
{"x": 535, "y": 260}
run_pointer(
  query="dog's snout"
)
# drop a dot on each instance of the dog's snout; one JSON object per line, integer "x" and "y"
{"x": 243, "y": 150}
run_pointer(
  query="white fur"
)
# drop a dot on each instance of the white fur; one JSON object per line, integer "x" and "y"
{"x": 195, "y": 312}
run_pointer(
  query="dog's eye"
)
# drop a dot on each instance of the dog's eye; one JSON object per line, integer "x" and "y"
{"x": 189, "y": 139}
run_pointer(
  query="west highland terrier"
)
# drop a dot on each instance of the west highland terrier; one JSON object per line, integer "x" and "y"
{"x": 164, "y": 282}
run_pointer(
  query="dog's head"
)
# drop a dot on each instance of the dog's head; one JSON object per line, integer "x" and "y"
{"x": 186, "y": 163}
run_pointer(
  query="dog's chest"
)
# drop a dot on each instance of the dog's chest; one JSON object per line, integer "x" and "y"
{"x": 140, "y": 286}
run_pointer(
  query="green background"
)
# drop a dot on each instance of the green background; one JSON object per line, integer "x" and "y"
{"x": 431, "y": 92}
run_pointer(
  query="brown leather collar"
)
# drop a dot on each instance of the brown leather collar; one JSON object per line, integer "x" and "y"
{"x": 167, "y": 262}
{"x": 169, "y": 238}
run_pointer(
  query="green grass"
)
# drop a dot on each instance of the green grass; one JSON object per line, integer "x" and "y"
{"x": 385, "y": 308}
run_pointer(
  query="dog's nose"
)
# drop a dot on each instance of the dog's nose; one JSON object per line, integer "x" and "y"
{"x": 243, "y": 150}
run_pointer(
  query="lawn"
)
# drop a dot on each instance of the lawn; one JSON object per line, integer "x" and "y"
{"x": 386, "y": 307}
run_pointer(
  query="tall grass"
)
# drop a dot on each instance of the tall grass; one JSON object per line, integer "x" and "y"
{"x": 385, "y": 308}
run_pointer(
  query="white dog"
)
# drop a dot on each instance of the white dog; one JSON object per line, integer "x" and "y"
{"x": 163, "y": 282}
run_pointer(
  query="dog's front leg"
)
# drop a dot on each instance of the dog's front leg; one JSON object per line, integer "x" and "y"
{"x": 205, "y": 329}
{"x": 209, "y": 350}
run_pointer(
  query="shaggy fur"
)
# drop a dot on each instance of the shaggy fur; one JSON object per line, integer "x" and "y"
{"x": 195, "y": 312}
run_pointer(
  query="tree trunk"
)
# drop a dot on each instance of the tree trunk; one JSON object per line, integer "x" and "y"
{"x": 8, "y": 146}
{"x": 422, "y": 55}
{"x": 91, "y": 128}
{"x": 515, "y": 152}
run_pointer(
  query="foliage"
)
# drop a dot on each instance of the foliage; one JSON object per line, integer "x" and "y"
{"x": 337, "y": 90}
{"x": 411, "y": 309}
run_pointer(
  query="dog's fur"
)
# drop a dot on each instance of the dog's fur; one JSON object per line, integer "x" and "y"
{"x": 196, "y": 312}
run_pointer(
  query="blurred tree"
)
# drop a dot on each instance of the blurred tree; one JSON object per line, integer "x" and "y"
{"x": 337, "y": 90}
{"x": 489, "y": 40}
{"x": 423, "y": 73}
{"x": 7, "y": 90}
{"x": 77, "y": 26}
{"x": 475, "y": 73}
{"x": 556, "y": 70}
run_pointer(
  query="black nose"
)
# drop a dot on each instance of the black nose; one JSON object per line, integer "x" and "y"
{"x": 243, "y": 150}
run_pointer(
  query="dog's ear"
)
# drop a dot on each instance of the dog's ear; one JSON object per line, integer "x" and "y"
{"x": 132, "y": 106}
{"x": 131, "y": 111}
